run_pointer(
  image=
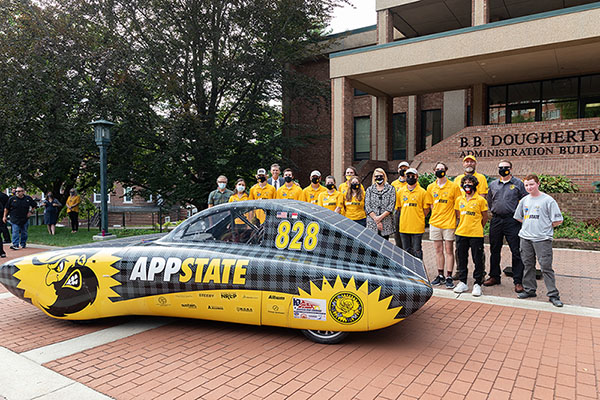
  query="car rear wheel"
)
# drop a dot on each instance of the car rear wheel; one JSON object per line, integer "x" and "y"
{"x": 324, "y": 337}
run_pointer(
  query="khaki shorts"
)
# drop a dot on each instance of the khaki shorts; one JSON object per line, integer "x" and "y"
{"x": 441, "y": 234}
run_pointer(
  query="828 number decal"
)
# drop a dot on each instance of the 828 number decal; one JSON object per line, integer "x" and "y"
{"x": 290, "y": 236}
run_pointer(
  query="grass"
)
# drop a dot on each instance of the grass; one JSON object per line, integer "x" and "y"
{"x": 38, "y": 234}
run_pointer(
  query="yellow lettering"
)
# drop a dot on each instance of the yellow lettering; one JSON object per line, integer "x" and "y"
{"x": 239, "y": 274}
{"x": 200, "y": 264}
{"x": 227, "y": 264}
{"x": 213, "y": 272}
{"x": 186, "y": 270}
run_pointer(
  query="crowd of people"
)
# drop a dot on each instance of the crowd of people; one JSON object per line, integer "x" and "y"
{"x": 458, "y": 211}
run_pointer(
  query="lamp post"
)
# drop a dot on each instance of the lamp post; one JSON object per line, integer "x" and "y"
{"x": 102, "y": 137}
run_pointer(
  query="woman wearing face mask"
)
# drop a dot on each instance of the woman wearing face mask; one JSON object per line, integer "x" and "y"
{"x": 380, "y": 201}
{"x": 471, "y": 212}
{"x": 351, "y": 172}
{"x": 331, "y": 198}
{"x": 354, "y": 202}
{"x": 240, "y": 195}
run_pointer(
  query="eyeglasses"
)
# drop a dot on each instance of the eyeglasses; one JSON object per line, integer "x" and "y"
{"x": 378, "y": 176}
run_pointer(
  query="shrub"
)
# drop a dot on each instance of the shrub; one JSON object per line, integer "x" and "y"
{"x": 596, "y": 186}
{"x": 426, "y": 179}
{"x": 557, "y": 184}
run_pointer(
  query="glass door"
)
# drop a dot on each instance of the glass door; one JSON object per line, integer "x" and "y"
{"x": 523, "y": 113}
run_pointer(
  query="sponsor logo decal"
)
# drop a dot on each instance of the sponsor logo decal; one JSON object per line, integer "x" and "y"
{"x": 346, "y": 308}
{"x": 275, "y": 297}
{"x": 189, "y": 305}
{"x": 244, "y": 309}
{"x": 215, "y": 307}
{"x": 162, "y": 301}
{"x": 228, "y": 296}
{"x": 314, "y": 309}
{"x": 208, "y": 295}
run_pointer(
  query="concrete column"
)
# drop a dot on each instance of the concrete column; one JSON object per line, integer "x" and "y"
{"x": 411, "y": 128}
{"x": 385, "y": 27}
{"x": 381, "y": 127}
{"x": 342, "y": 126}
{"x": 478, "y": 108}
{"x": 453, "y": 118}
{"x": 480, "y": 12}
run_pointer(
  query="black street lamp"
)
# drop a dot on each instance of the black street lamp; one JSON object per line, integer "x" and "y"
{"x": 102, "y": 136}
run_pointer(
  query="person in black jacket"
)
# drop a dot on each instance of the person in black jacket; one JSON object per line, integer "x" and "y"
{"x": 19, "y": 207}
{"x": 4, "y": 233}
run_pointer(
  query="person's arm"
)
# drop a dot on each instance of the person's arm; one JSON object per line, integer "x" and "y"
{"x": 211, "y": 201}
{"x": 556, "y": 223}
{"x": 426, "y": 211}
{"x": 484, "y": 218}
{"x": 5, "y": 216}
{"x": 457, "y": 216}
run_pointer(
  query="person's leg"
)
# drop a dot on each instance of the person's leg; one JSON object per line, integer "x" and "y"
{"x": 543, "y": 250}
{"x": 2, "y": 252}
{"x": 417, "y": 245}
{"x": 440, "y": 260}
{"x": 528, "y": 257}
{"x": 496, "y": 241}
{"x": 75, "y": 221}
{"x": 476, "y": 245}
{"x": 407, "y": 243}
{"x": 462, "y": 250}
{"x": 24, "y": 235}
{"x": 16, "y": 234}
{"x": 49, "y": 227}
{"x": 449, "y": 248}
{"x": 512, "y": 237}
{"x": 70, "y": 214}
{"x": 5, "y": 232}
{"x": 396, "y": 229}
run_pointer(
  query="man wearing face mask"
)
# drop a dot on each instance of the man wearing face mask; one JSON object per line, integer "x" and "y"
{"x": 469, "y": 164}
{"x": 289, "y": 190}
{"x": 414, "y": 204}
{"x": 503, "y": 198}
{"x": 311, "y": 193}
{"x": 220, "y": 195}
{"x": 398, "y": 185}
{"x": 261, "y": 191}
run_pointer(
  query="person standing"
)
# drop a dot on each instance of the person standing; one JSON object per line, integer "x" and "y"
{"x": 311, "y": 193}
{"x": 4, "y": 233}
{"x": 275, "y": 180}
{"x": 503, "y": 198}
{"x": 289, "y": 190}
{"x": 399, "y": 184}
{"x": 19, "y": 208}
{"x": 539, "y": 213}
{"x": 380, "y": 201}
{"x": 442, "y": 223}
{"x": 414, "y": 204}
{"x": 470, "y": 164}
{"x": 354, "y": 202}
{"x": 51, "y": 206}
{"x": 221, "y": 194}
{"x": 331, "y": 198}
{"x": 262, "y": 191}
{"x": 72, "y": 204}
{"x": 471, "y": 212}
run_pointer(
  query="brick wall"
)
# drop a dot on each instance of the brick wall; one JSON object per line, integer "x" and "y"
{"x": 581, "y": 206}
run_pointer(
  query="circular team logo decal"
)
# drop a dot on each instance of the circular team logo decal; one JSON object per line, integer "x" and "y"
{"x": 345, "y": 308}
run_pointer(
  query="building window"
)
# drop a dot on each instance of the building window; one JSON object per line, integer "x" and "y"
{"x": 128, "y": 195}
{"x": 399, "y": 136}
{"x": 362, "y": 138}
{"x": 358, "y": 92}
{"x": 431, "y": 128}
{"x": 98, "y": 198}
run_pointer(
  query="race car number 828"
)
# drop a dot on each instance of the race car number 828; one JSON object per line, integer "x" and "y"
{"x": 290, "y": 236}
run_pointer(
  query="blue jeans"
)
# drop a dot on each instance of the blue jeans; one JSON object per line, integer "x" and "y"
{"x": 19, "y": 232}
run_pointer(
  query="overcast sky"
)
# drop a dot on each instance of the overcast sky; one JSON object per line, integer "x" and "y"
{"x": 361, "y": 14}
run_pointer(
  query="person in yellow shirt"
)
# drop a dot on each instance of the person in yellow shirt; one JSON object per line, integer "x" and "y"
{"x": 414, "y": 204}
{"x": 289, "y": 190}
{"x": 311, "y": 193}
{"x": 240, "y": 195}
{"x": 331, "y": 198}
{"x": 354, "y": 202}
{"x": 261, "y": 191}
{"x": 442, "y": 223}
{"x": 72, "y": 204}
{"x": 399, "y": 184}
{"x": 471, "y": 212}
{"x": 350, "y": 173}
{"x": 469, "y": 164}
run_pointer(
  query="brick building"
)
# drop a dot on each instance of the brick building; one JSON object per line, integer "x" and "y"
{"x": 439, "y": 79}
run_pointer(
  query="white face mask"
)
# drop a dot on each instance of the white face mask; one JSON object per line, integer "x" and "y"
{"x": 241, "y": 188}
{"x": 222, "y": 185}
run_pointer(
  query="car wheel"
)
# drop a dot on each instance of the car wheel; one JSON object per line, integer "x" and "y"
{"x": 325, "y": 337}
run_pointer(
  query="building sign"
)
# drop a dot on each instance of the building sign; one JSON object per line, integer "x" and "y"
{"x": 570, "y": 142}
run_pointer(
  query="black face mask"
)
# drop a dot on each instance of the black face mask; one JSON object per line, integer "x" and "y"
{"x": 288, "y": 179}
{"x": 379, "y": 179}
{"x": 411, "y": 180}
{"x": 504, "y": 171}
{"x": 330, "y": 186}
{"x": 440, "y": 173}
{"x": 355, "y": 186}
{"x": 469, "y": 189}
{"x": 315, "y": 179}
{"x": 402, "y": 172}
{"x": 261, "y": 179}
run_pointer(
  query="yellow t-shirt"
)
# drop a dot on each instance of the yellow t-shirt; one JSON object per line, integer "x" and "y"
{"x": 398, "y": 185}
{"x": 411, "y": 204}
{"x": 442, "y": 212}
{"x": 264, "y": 193}
{"x": 331, "y": 201}
{"x": 234, "y": 198}
{"x": 344, "y": 188}
{"x": 482, "y": 186}
{"x": 471, "y": 215}
{"x": 354, "y": 209}
{"x": 73, "y": 200}
{"x": 310, "y": 195}
{"x": 294, "y": 193}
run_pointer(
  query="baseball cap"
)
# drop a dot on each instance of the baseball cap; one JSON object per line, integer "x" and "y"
{"x": 470, "y": 156}
{"x": 403, "y": 164}
{"x": 315, "y": 173}
{"x": 261, "y": 171}
{"x": 412, "y": 171}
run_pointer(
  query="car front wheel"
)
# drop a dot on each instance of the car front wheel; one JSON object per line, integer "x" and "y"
{"x": 324, "y": 337}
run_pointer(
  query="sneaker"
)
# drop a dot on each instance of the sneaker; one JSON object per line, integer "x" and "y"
{"x": 556, "y": 302}
{"x": 449, "y": 283}
{"x": 461, "y": 287}
{"x": 23, "y": 246}
{"x": 3, "y": 255}
{"x": 476, "y": 290}
{"x": 438, "y": 281}
{"x": 524, "y": 295}
{"x": 13, "y": 248}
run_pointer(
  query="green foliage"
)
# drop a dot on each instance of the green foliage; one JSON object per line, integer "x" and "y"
{"x": 426, "y": 179}
{"x": 557, "y": 184}
{"x": 596, "y": 186}
{"x": 588, "y": 231}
